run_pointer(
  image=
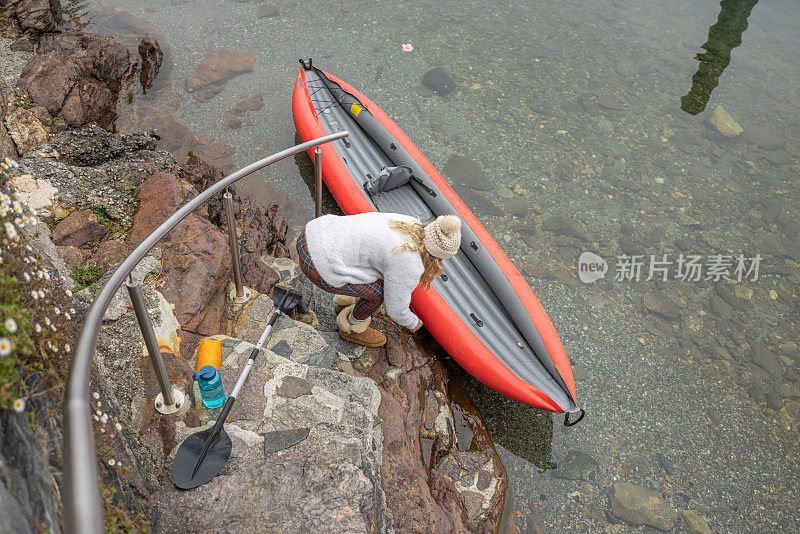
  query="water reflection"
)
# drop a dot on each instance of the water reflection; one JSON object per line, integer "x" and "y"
{"x": 723, "y": 37}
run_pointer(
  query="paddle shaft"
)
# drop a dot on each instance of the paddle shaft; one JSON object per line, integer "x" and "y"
{"x": 254, "y": 353}
{"x": 239, "y": 383}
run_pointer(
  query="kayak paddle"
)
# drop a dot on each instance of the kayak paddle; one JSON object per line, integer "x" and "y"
{"x": 202, "y": 455}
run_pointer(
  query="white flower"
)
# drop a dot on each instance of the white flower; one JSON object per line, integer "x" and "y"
{"x": 38, "y": 328}
{"x": 104, "y": 418}
{"x": 11, "y": 325}
{"x": 98, "y": 413}
{"x": 67, "y": 348}
{"x": 26, "y": 276}
{"x": 57, "y": 310}
{"x": 19, "y": 222}
{"x": 99, "y": 404}
{"x": 17, "y": 206}
{"x": 95, "y": 417}
{"x": 118, "y": 426}
{"x": 72, "y": 310}
{"x": 39, "y": 274}
{"x": 111, "y": 462}
{"x": 16, "y": 195}
{"x": 41, "y": 294}
{"x": 10, "y": 230}
{"x": 35, "y": 295}
{"x": 5, "y": 199}
{"x": 69, "y": 293}
{"x": 46, "y": 274}
{"x": 67, "y": 316}
{"x": 5, "y": 346}
{"x": 19, "y": 405}
{"x": 53, "y": 328}
{"x": 96, "y": 395}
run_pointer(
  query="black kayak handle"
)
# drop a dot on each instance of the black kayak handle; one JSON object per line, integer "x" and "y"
{"x": 567, "y": 422}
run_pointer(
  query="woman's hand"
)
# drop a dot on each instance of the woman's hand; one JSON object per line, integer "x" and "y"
{"x": 419, "y": 325}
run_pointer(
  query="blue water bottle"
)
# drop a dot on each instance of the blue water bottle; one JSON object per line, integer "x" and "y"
{"x": 210, "y": 384}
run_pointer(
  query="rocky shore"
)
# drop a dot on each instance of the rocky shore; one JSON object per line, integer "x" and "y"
{"x": 380, "y": 451}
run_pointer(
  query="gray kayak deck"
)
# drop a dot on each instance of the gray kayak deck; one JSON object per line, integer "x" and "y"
{"x": 467, "y": 289}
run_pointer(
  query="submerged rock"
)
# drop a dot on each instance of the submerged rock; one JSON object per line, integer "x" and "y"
{"x": 661, "y": 305}
{"x": 778, "y": 157}
{"x": 639, "y": 505}
{"x": 438, "y": 81}
{"x": 763, "y": 137}
{"x": 267, "y": 11}
{"x": 216, "y": 68}
{"x": 560, "y": 225}
{"x": 239, "y": 114}
{"x": 463, "y": 171}
{"x": 724, "y": 123}
{"x": 577, "y": 465}
{"x": 695, "y": 523}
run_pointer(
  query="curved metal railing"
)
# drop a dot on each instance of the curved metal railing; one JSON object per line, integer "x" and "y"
{"x": 83, "y": 512}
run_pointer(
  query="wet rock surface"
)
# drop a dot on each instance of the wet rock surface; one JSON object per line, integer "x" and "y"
{"x": 34, "y": 16}
{"x": 195, "y": 256}
{"x": 27, "y": 497}
{"x": 76, "y": 77}
{"x": 152, "y": 56}
{"x": 262, "y": 230}
{"x": 92, "y": 167}
{"x": 453, "y": 487}
{"x": 79, "y": 228}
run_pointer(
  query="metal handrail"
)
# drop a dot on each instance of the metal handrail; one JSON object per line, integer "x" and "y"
{"x": 83, "y": 512}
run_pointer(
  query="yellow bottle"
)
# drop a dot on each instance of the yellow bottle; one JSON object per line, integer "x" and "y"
{"x": 209, "y": 352}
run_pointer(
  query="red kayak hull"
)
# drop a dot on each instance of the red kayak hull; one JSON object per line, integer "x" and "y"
{"x": 447, "y": 327}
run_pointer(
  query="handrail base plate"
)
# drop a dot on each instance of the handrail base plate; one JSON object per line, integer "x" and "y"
{"x": 168, "y": 409}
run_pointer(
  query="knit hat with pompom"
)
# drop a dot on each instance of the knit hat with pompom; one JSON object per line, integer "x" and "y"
{"x": 443, "y": 236}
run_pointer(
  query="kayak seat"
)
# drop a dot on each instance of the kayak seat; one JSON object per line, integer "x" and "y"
{"x": 388, "y": 178}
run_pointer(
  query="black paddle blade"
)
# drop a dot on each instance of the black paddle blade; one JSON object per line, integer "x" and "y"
{"x": 289, "y": 297}
{"x": 189, "y": 453}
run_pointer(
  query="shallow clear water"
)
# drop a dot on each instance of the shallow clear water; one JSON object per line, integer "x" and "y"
{"x": 573, "y": 108}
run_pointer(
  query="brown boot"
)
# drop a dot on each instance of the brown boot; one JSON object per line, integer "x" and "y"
{"x": 359, "y": 333}
{"x": 340, "y": 302}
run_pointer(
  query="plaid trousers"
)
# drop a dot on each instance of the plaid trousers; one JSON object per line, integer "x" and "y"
{"x": 370, "y": 296}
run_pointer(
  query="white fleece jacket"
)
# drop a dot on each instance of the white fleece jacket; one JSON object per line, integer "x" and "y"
{"x": 359, "y": 249}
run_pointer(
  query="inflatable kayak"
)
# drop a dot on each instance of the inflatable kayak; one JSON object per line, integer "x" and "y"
{"x": 481, "y": 310}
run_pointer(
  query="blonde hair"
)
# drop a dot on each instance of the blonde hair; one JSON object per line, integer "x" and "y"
{"x": 415, "y": 231}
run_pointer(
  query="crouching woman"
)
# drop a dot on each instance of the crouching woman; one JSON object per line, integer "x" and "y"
{"x": 375, "y": 259}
